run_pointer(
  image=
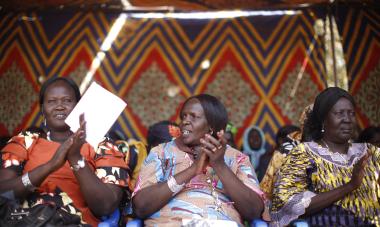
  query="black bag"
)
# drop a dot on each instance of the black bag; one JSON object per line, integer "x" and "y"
{"x": 47, "y": 215}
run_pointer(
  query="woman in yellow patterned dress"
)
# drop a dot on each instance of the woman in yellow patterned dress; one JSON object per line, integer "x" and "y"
{"x": 329, "y": 181}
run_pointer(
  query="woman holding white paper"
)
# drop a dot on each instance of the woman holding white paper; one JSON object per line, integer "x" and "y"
{"x": 63, "y": 168}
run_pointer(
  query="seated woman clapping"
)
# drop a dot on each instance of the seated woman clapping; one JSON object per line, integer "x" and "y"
{"x": 197, "y": 176}
{"x": 62, "y": 168}
{"x": 329, "y": 181}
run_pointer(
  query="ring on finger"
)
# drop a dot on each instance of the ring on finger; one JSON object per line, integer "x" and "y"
{"x": 220, "y": 147}
{"x": 214, "y": 149}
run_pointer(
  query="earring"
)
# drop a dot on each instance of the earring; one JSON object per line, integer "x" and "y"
{"x": 45, "y": 122}
{"x": 323, "y": 129}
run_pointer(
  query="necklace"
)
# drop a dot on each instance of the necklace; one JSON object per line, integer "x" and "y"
{"x": 212, "y": 184}
{"x": 339, "y": 154}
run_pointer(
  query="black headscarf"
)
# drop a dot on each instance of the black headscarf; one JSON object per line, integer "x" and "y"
{"x": 322, "y": 105}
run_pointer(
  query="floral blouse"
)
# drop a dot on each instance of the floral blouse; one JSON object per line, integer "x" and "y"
{"x": 27, "y": 151}
{"x": 196, "y": 200}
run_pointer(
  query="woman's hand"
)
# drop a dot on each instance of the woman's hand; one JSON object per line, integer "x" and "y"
{"x": 201, "y": 163}
{"x": 358, "y": 172}
{"x": 59, "y": 157}
{"x": 214, "y": 148}
{"x": 79, "y": 138}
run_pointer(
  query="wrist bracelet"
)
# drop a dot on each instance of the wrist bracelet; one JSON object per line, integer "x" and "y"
{"x": 174, "y": 186}
{"x": 27, "y": 183}
{"x": 80, "y": 164}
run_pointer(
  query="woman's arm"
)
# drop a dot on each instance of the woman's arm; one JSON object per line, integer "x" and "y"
{"x": 11, "y": 181}
{"x": 246, "y": 201}
{"x": 101, "y": 198}
{"x": 152, "y": 198}
{"x": 325, "y": 199}
{"x": 145, "y": 202}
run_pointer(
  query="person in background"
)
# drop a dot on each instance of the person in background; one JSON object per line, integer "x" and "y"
{"x": 230, "y": 134}
{"x": 62, "y": 168}
{"x": 329, "y": 181}
{"x": 162, "y": 132}
{"x": 371, "y": 135}
{"x": 284, "y": 143}
{"x": 198, "y": 177}
{"x": 254, "y": 144}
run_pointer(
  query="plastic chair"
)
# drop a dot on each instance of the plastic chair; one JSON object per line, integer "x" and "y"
{"x": 299, "y": 223}
{"x": 254, "y": 223}
{"x": 111, "y": 220}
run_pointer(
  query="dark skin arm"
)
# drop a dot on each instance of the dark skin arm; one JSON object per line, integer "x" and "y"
{"x": 9, "y": 180}
{"x": 325, "y": 199}
{"x": 246, "y": 201}
{"x": 101, "y": 198}
{"x": 145, "y": 202}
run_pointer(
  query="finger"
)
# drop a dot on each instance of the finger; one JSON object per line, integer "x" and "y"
{"x": 222, "y": 138}
{"x": 207, "y": 151}
{"x": 363, "y": 161}
{"x": 81, "y": 134}
{"x": 206, "y": 144}
{"x": 81, "y": 118}
{"x": 67, "y": 144}
{"x": 215, "y": 142}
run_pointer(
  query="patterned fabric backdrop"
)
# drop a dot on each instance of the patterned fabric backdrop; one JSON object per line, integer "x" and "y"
{"x": 360, "y": 30}
{"x": 265, "y": 69}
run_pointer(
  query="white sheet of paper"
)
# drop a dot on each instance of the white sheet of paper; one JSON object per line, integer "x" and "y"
{"x": 101, "y": 108}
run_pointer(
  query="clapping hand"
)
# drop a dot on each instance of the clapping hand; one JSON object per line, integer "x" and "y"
{"x": 79, "y": 138}
{"x": 358, "y": 172}
{"x": 215, "y": 148}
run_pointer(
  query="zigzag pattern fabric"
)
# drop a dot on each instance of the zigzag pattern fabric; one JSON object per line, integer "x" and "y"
{"x": 265, "y": 69}
{"x": 360, "y": 29}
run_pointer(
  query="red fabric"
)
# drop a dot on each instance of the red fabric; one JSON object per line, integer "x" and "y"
{"x": 64, "y": 177}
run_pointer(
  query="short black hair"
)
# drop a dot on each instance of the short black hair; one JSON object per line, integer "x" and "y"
{"x": 215, "y": 112}
{"x": 52, "y": 80}
{"x": 284, "y": 131}
{"x": 159, "y": 133}
{"x": 322, "y": 105}
{"x": 367, "y": 134}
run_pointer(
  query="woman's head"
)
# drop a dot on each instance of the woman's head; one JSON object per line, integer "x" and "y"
{"x": 370, "y": 135}
{"x": 161, "y": 132}
{"x": 58, "y": 97}
{"x": 254, "y": 139}
{"x": 284, "y": 132}
{"x": 333, "y": 116}
{"x": 201, "y": 114}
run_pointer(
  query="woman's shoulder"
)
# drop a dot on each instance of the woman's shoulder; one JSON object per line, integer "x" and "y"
{"x": 233, "y": 153}
{"x": 303, "y": 148}
{"x": 163, "y": 148}
{"x": 368, "y": 147}
{"x": 25, "y": 138}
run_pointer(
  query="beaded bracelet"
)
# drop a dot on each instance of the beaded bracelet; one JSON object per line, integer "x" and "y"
{"x": 174, "y": 186}
{"x": 27, "y": 183}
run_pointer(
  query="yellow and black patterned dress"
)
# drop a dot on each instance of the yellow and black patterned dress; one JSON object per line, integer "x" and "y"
{"x": 310, "y": 169}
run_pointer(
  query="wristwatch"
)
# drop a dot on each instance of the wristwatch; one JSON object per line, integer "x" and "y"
{"x": 80, "y": 164}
